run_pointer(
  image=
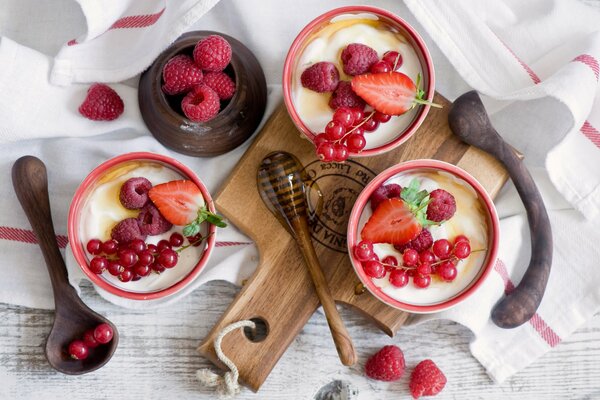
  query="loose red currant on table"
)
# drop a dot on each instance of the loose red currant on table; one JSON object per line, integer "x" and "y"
{"x": 410, "y": 257}
{"x": 94, "y": 247}
{"x": 334, "y": 131}
{"x": 442, "y": 248}
{"x": 103, "y": 333}
{"x": 447, "y": 271}
{"x": 355, "y": 142}
{"x": 78, "y": 350}
{"x": 424, "y": 269}
{"x": 110, "y": 246}
{"x": 393, "y": 58}
{"x": 363, "y": 251}
{"x": 374, "y": 269}
{"x": 168, "y": 258}
{"x": 421, "y": 281}
{"x": 89, "y": 340}
{"x": 462, "y": 249}
{"x": 126, "y": 276}
{"x": 127, "y": 257}
{"x": 176, "y": 239}
{"x": 114, "y": 268}
{"x": 427, "y": 256}
{"x": 398, "y": 278}
{"x": 98, "y": 265}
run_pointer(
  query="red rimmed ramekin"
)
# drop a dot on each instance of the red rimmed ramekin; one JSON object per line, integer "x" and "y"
{"x": 493, "y": 234}
{"x": 415, "y": 40}
{"x": 78, "y": 203}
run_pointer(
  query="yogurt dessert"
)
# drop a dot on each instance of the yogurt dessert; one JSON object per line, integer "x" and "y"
{"x": 144, "y": 226}
{"x": 423, "y": 237}
{"x": 356, "y": 85}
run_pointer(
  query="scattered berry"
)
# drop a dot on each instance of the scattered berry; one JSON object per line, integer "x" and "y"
{"x": 321, "y": 77}
{"x": 137, "y": 245}
{"x": 370, "y": 125}
{"x": 163, "y": 245}
{"x": 381, "y": 117}
{"x": 141, "y": 270}
{"x": 127, "y": 257}
{"x": 410, "y": 257}
{"x": 94, "y": 247}
{"x": 145, "y": 258}
{"x": 398, "y": 278}
{"x": 201, "y": 104}
{"x": 159, "y": 269}
{"x": 326, "y": 151}
{"x": 89, "y": 340}
{"x": 340, "y": 152}
{"x": 176, "y": 239}
{"x": 98, "y": 264}
{"x": 152, "y": 222}
{"x": 221, "y": 83}
{"x": 344, "y": 116}
{"x": 356, "y": 142}
{"x": 110, "y": 246}
{"x": 127, "y": 230}
{"x": 334, "y": 131}
{"x": 114, "y": 268}
{"x": 374, "y": 269}
{"x": 125, "y": 276}
{"x": 442, "y": 206}
{"x": 380, "y": 67}
{"x": 363, "y": 251}
{"x": 392, "y": 58}
{"x": 421, "y": 281}
{"x": 461, "y": 238}
{"x": 442, "y": 248}
{"x": 343, "y": 96}
{"x": 102, "y": 103}
{"x": 103, "y": 333}
{"x": 180, "y": 75}
{"x": 447, "y": 271}
{"x": 386, "y": 365}
{"x": 134, "y": 193}
{"x": 358, "y": 58}
{"x": 384, "y": 192}
{"x": 212, "y": 53}
{"x": 167, "y": 258}
{"x": 426, "y": 379}
{"x": 78, "y": 350}
{"x": 462, "y": 250}
{"x": 420, "y": 243}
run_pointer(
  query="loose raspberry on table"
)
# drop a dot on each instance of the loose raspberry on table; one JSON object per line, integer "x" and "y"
{"x": 134, "y": 193}
{"x": 386, "y": 365}
{"x": 212, "y": 53}
{"x": 442, "y": 206}
{"x": 358, "y": 58}
{"x": 221, "y": 83}
{"x": 426, "y": 379}
{"x": 201, "y": 104}
{"x": 127, "y": 230}
{"x": 343, "y": 96}
{"x": 384, "y": 192}
{"x": 180, "y": 75}
{"x": 102, "y": 103}
{"x": 152, "y": 222}
{"x": 321, "y": 77}
{"x": 422, "y": 242}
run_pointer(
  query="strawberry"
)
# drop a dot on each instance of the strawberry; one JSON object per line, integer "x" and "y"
{"x": 392, "y": 222}
{"x": 182, "y": 203}
{"x": 391, "y": 93}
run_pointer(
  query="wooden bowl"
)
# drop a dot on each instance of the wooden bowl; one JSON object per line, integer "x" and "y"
{"x": 235, "y": 123}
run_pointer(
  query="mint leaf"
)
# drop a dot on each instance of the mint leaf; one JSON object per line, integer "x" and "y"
{"x": 420, "y": 196}
{"x": 191, "y": 229}
{"x": 409, "y": 194}
{"x": 216, "y": 220}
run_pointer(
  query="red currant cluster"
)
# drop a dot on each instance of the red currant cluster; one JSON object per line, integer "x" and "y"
{"x": 346, "y": 132}
{"x": 79, "y": 349}
{"x": 136, "y": 259}
{"x": 441, "y": 260}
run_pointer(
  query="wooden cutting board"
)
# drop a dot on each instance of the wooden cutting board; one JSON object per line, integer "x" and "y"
{"x": 281, "y": 293}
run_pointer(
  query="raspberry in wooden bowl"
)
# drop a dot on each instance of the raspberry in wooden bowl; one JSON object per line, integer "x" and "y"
{"x": 204, "y": 95}
{"x": 423, "y": 236}
{"x": 357, "y": 82}
{"x": 142, "y": 226}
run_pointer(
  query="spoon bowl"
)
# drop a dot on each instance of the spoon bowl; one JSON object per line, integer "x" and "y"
{"x": 72, "y": 317}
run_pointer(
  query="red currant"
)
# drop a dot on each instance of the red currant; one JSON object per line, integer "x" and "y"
{"x": 363, "y": 251}
{"x": 358, "y": 131}
{"x": 176, "y": 239}
{"x": 320, "y": 139}
{"x": 98, "y": 265}
{"x": 334, "y": 131}
{"x": 344, "y": 116}
{"x": 114, "y": 268}
{"x": 358, "y": 115}
{"x": 380, "y": 67}
{"x": 168, "y": 258}
{"x": 152, "y": 248}
{"x": 427, "y": 256}
{"x": 398, "y": 278}
{"x": 163, "y": 245}
{"x": 424, "y": 269}
{"x": 94, "y": 247}
{"x": 141, "y": 270}
{"x": 137, "y": 245}
{"x": 355, "y": 142}
{"x": 461, "y": 238}
{"x": 410, "y": 257}
{"x": 381, "y": 117}
{"x": 462, "y": 249}
{"x": 103, "y": 333}
{"x": 89, "y": 340}
{"x": 127, "y": 257}
{"x": 145, "y": 258}
{"x": 156, "y": 267}
{"x": 126, "y": 275}
{"x": 374, "y": 269}
{"x": 340, "y": 152}
{"x": 110, "y": 246}
{"x": 447, "y": 271}
{"x": 442, "y": 248}
{"x": 390, "y": 260}
{"x": 135, "y": 277}
{"x": 78, "y": 350}
{"x": 421, "y": 281}
{"x": 393, "y": 58}
{"x": 370, "y": 125}
{"x": 326, "y": 151}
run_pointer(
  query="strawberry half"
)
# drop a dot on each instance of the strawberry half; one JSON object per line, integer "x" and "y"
{"x": 392, "y": 222}
{"x": 392, "y": 93}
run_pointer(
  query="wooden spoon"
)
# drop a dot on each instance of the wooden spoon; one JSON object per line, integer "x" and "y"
{"x": 470, "y": 122}
{"x": 72, "y": 317}
{"x": 281, "y": 186}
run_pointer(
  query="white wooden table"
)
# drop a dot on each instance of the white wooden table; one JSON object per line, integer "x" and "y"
{"x": 156, "y": 357}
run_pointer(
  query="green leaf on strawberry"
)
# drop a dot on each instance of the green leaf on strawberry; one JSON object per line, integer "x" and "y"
{"x": 417, "y": 201}
{"x": 204, "y": 214}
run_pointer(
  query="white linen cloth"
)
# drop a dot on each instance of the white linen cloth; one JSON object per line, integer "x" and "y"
{"x": 538, "y": 103}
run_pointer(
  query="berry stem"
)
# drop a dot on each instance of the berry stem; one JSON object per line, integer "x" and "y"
{"x": 200, "y": 240}
{"x": 368, "y": 117}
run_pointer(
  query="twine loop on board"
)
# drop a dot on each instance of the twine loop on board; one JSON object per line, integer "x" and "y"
{"x": 227, "y": 385}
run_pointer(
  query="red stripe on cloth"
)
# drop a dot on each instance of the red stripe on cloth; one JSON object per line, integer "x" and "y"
{"x": 536, "y": 79}
{"x": 27, "y": 236}
{"x": 590, "y": 61}
{"x": 137, "y": 21}
{"x": 228, "y": 244}
{"x": 591, "y": 133}
{"x": 537, "y": 322}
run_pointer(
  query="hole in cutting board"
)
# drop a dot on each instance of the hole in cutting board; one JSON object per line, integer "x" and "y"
{"x": 259, "y": 333}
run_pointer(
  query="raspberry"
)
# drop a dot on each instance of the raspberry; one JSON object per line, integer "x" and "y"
{"x": 212, "y": 53}
{"x": 102, "y": 103}
{"x": 201, "y": 104}
{"x": 152, "y": 222}
{"x": 221, "y": 83}
{"x": 321, "y": 77}
{"x": 426, "y": 379}
{"x": 441, "y": 207}
{"x": 384, "y": 192}
{"x": 180, "y": 75}
{"x": 343, "y": 96}
{"x": 420, "y": 243}
{"x": 386, "y": 365}
{"x": 126, "y": 231}
{"x": 134, "y": 193}
{"x": 358, "y": 58}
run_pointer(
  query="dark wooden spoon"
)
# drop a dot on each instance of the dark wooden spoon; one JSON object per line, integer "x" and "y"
{"x": 281, "y": 186}
{"x": 470, "y": 122}
{"x": 72, "y": 317}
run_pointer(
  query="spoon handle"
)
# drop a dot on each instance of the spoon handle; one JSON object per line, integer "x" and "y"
{"x": 30, "y": 182}
{"x": 341, "y": 338}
